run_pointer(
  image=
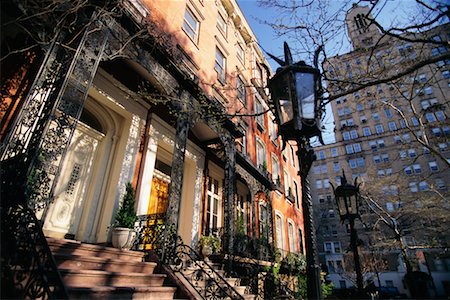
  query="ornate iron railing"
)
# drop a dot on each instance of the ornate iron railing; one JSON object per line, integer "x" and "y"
{"x": 157, "y": 238}
{"x": 28, "y": 268}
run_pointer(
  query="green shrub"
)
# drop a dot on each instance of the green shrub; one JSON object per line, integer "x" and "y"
{"x": 126, "y": 215}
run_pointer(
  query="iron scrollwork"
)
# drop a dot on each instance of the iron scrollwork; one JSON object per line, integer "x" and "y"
{"x": 27, "y": 250}
{"x": 154, "y": 236}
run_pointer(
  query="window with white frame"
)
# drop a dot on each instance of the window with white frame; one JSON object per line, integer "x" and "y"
{"x": 214, "y": 207}
{"x": 336, "y": 166}
{"x": 366, "y": 131}
{"x": 334, "y": 152}
{"x": 276, "y": 178}
{"x": 387, "y": 112}
{"x": 240, "y": 52}
{"x": 241, "y": 91}
{"x": 241, "y": 213}
{"x": 433, "y": 166}
{"x": 279, "y": 231}
{"x": 332, "y": 247}
{"x": 287, "y": 183}
{"x": 191, "y": 25}
{"x": 392, "y": 126}
{"x": 417, "y": 168}
{"x": 272, "y": 128}
{"x": 423, "y": 186}
{"x": 222, "y": 24}
{"x": 258, "y": 111}
{"x": 261, "y": 161}
{"x": 220, "y": 66}
{"x": 346, "y": 136}
{"x": 379, "y": 128}
{"x": 376, "y": 159}
{"x": 291, "y": 236}
{"x": 320, "y": 154}
{"x": 263, "y": 220}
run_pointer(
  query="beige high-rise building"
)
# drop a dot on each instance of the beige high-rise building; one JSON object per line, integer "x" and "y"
{"x": 393, "y": 137}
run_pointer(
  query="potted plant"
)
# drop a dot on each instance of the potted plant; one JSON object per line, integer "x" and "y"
{"x": 209, "y": 244}
{"x": 123, "y": 233}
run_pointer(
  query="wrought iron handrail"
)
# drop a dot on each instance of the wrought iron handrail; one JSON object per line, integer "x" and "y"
{"x": 155, "y": 237}
{"x": 28, "y": 268}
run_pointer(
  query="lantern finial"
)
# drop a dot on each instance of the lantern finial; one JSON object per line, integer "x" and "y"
{"x": 344, "y": 179}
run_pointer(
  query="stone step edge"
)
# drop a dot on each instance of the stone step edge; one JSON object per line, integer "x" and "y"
{"x": 65, "y": 243}
{"x": 137, "y": 288}
{"x": 74, "y": 257}
{"x": 100, "y": 272}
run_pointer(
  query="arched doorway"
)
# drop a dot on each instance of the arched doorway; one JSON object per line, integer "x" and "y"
{"x": 79, "y": 191}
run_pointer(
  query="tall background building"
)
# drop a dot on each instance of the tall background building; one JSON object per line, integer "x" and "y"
{"x": 393, "y": 137}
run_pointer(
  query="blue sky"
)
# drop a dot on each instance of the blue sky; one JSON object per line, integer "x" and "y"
{"x": 393, "y": 11}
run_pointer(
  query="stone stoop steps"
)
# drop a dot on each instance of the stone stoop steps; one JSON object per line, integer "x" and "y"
{"x": 98, "y": 272}
{"x": 189, "y": 272}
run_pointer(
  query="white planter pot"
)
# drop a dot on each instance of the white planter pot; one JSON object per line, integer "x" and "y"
{"x": 123, "y": 238}
{"x": 206, "y": 251}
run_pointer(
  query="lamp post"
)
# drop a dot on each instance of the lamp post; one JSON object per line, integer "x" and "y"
{"x": 347, "y": 200}
{"x": 294, "y": 91}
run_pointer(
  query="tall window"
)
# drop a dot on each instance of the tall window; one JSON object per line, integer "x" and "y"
{"x": 276, "y": 178}
{"x": 286, "y": 183}
{"x": 291, "y": 237}
{"x": 279, "y": 231}
{"x": 258, "y": 110}
{"x": 258, "y": 74}
{"x": 220, "y": 66}
{"x": 241, "y": 214}
{"x": 242, "y": 95}
{"x": 222, "y": 25}
{"x": 300, "y": 240}
{"x": 240, "y": 53}
{"x": 297, "y": 199}
{"x": 214, "y": 206}
{"x": 191, "y": 25}
{"x": 260, "y": 154}
{"x": 263, "y": 218}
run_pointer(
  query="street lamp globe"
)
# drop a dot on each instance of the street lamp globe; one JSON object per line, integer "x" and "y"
{"x": 294, "y": 93}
